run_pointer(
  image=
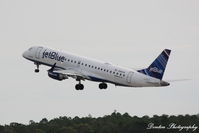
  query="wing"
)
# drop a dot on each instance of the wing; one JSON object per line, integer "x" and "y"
{"x": 69, "y": 72}
{"x": 72, "y": 73}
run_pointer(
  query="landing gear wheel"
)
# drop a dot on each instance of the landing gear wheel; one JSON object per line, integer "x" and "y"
{"x": 36, "y": 70}
{"x": 79, "y": 86}
{"x": 103, "y": 86}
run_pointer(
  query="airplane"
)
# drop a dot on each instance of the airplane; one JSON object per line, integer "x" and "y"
{"x": 65, "y": 65}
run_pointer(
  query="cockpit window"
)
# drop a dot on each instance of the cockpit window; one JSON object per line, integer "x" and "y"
{"x": 30, "y": 49}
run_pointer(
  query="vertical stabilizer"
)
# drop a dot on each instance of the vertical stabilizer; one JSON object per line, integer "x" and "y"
{"x": 157, "y": 68}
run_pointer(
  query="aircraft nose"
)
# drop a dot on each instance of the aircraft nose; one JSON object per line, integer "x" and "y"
{"x": 25, "y": 54}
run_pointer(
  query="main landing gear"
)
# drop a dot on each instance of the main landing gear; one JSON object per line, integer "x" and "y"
{"x": 79, "y": 86}
{"x": 37, "y": 69}
{"x": 103, "y": 86}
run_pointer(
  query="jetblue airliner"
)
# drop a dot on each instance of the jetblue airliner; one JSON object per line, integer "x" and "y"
{"x": 65, "y": 65}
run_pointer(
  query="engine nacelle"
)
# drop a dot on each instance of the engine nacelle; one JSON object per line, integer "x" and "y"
{"x": 57, "y": 76}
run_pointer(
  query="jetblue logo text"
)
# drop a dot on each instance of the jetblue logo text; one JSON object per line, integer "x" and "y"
{"x": 53, "y": 55}
{"x": 155, "y": 70}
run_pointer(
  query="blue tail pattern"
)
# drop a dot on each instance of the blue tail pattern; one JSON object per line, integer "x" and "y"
{"x": 157, "y": 68}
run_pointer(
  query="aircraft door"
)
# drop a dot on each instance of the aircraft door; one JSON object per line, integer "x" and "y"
{"x": 78, "y": 66}
{"x": 38, "y": 52}
{"x": 129, "y": 77}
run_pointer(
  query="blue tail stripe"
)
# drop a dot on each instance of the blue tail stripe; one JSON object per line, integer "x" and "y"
{"x": 163, "y": 64}
{"x": 157, "y": 68}
{"x": 162, "y": 60}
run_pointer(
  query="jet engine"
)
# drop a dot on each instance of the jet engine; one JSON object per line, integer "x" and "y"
{"x": 57, "y": 76}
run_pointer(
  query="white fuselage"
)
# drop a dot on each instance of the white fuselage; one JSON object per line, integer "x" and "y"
{"x": 92, "y": 69}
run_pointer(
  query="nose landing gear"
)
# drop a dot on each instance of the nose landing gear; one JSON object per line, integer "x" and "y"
{"x": 37, "y": 69}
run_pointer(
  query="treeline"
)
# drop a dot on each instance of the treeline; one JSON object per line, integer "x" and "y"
{"x": 114, "y": 123}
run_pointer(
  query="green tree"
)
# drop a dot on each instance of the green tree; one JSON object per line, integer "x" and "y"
{"x": 84, "y": 128}
{"x": 43, "y": 121}
{"x": 67, "y": 130}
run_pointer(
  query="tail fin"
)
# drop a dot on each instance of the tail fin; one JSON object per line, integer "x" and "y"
{"x": 157, "y": 68}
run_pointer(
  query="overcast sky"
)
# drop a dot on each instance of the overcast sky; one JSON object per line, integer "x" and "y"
{"x": 128, "y": 33}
